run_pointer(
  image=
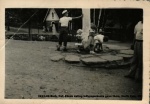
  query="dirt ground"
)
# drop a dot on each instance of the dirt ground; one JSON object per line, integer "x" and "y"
{"x": 30, "y": 74}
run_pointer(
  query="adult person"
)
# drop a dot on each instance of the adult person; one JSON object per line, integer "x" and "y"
{"x": 64, "y": 29}
{"x": 136, "y": 70}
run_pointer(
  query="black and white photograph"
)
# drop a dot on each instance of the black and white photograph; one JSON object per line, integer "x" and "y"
{"x": 74, "y": 53}
{"x": 79, "y": 52}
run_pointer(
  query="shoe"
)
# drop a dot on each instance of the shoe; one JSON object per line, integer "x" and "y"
{"x": 65, "y": 49}
{"x": 128, "y": 76}
{"x": 58, "y": 48}
{"x": 78, "y": 51}
{"x": 92, "y": 52}
{"x": 138, "y": 80}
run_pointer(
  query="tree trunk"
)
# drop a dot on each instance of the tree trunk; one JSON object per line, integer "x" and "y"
{"x": 86, "y": 21}
{"x": 99, "y": 18}
{"x": 86, "y": 25}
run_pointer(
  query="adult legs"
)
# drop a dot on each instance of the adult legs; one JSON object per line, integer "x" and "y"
{"x": 134, "y": 63}
{"x": 139, "y": 70}
{"x": 60, "y": 39}
{"x": 65, "y": 38}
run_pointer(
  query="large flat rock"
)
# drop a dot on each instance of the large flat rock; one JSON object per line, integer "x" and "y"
{"x": 57, "y": 58}
{"x": 72, "y": 59}
{"x": 116, "y": 47}
{"x": 114, "y": 61}
{"x": 111, "y": 58}
{"x": 86, "y": 56}
{"x": 128, "y": 52}
{"x": 125, "y": 56}
{"x": 106, "y": 48}
{"x": 93, "y": 61}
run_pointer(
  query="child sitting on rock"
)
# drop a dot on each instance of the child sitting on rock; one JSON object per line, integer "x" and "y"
{"x": 98, "y": 41}
{"x": 87, "y": 44}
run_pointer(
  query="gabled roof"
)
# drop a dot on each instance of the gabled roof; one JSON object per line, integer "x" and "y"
{"x": 52, "y": 16}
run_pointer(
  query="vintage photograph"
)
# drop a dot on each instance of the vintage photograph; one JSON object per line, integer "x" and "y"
{"x": 74, "y": 53}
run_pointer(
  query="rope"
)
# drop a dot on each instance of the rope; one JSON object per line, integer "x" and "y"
{"x": 21, "y": 26}
{"x": 46, "y": 14}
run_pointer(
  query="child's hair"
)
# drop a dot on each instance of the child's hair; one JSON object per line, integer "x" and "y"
{"x": 105, "y": 39}
{"x": 79, "y": 31}
{"x": 91, "y": 32}
{"x": 93, "y": 26}
{"x": 100, "y": 31}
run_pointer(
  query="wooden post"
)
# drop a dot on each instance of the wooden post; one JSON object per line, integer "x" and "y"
{"x": 30, "y": 35}
{"x": 54, "y": 29}
{"x": 38, "y": 29}
{"x": 94, "y": 16}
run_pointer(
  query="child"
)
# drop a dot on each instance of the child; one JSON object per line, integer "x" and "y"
{"x": 87, "y": 44}
{"x": 98, "y": 41}
{"x": 90, "y": 42}
{"x": 79, "y": 35}
{"x": 64, "y": 29}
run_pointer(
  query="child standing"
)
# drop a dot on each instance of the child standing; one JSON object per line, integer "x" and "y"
{"x": 64, "y": 29}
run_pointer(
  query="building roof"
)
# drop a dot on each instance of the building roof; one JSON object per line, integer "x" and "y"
{"x": 52, "y": 16}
